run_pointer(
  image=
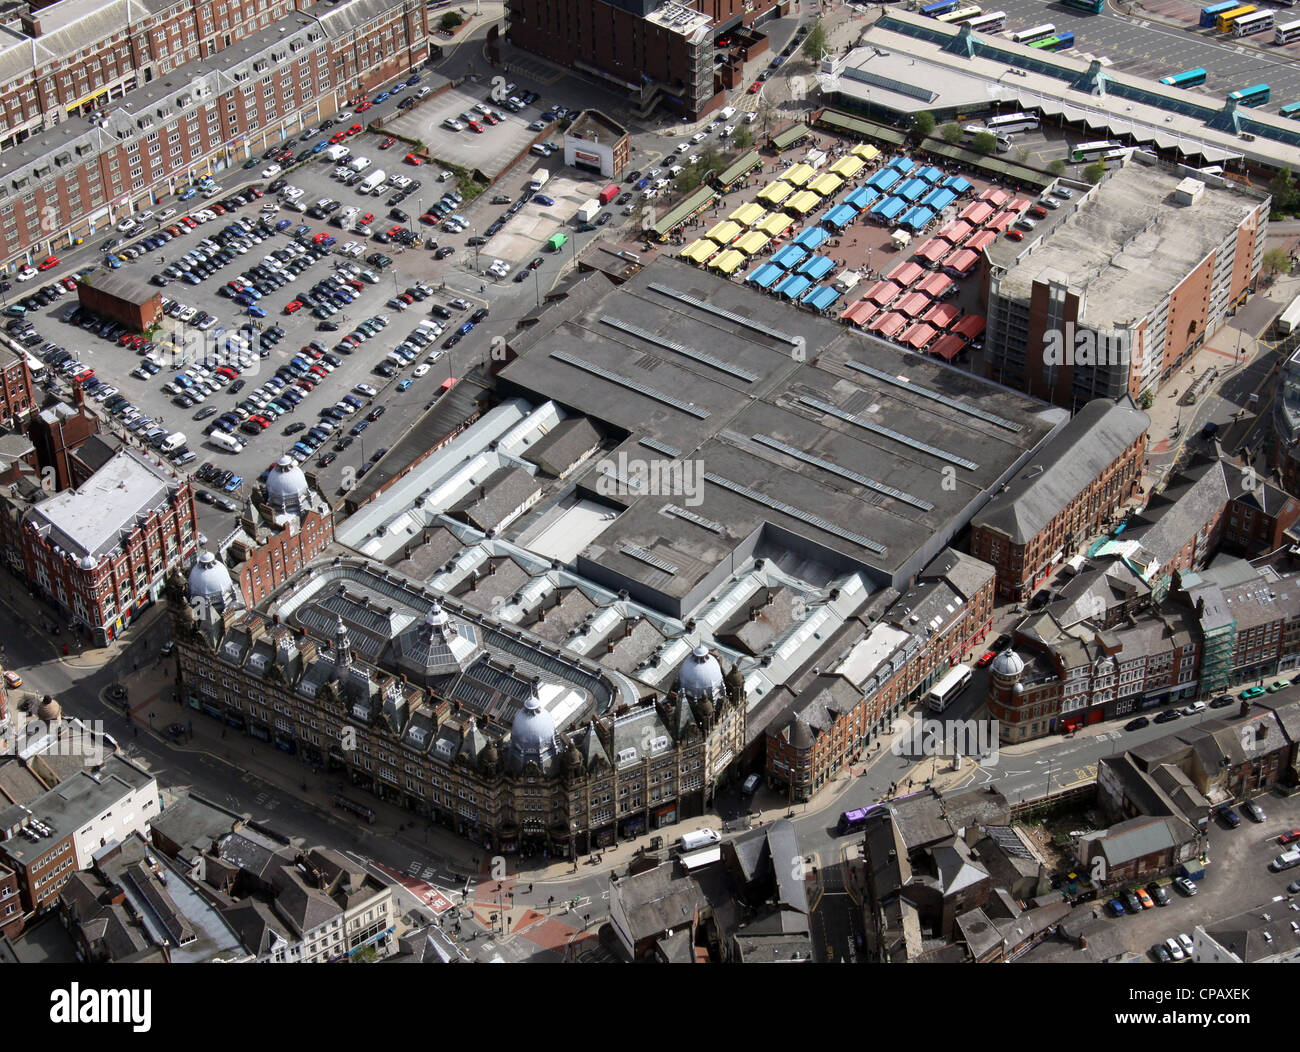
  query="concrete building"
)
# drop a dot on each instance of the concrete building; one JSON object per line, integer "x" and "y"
{"x": 111, "y": 107}
{"x": 597, "y": 143}
{"x": 102, "y": 551}
{"x": 656, "y": 53}
{"x": 1072, "y": 488}
{"x": 1126, "y": 288}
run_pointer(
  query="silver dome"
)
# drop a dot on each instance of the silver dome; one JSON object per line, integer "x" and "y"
{"x": 700, "y": 674}
{"x": 209, "y": 579}
{"x": 532, "y": 735}
{"x": 286, "y": 485}
{"x": 1008, "y": 664}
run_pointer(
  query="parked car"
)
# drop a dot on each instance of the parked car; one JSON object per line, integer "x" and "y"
{"x": 1253, "y": 811}
{"x": 1228, "y": 816}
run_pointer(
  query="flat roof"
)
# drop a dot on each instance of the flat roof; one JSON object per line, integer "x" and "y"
{"x": 594, "y": 126}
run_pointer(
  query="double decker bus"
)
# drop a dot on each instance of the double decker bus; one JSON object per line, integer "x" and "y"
{"x": 1187, "y": 79}
{"x": 1210, "y": 15}
{"x": 961, "y": 14}
{"x": 1027, "y": 36}
{"x": 1256, "y": 23}
{"x": 948, "y": 689}
{"x": 1093, "y": 7}
{"x": 1090, "y": 151}
{"x": 940, "y": 7}
{"x": 1055, "y": 43}
{"x": 993, "y": 22}
{"x": 1253, "y": 96}
{"x": 1225, "y": 21}
{"x": 1010, "y": 123}
{"x": 1291, "y": 110}
{"x": 1286, "y": 32}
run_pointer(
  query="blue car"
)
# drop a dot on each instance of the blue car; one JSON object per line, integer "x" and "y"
{"x": 464, "y": 329}
{"x": 383, "y": 96}
{"x": 322, "y": 145}
{"x": 641, "y": 184}
{"x": 412, "y": 80}
{"x": 543, "y": 200}
{"x": 187, "y": 193}
{"x": 284, "y": 224}
{"x": 1116, "y": 907}
{"x": 405, "y": 385}
{"x": 256, "y": 311}
{"x": 113, "y": 262}
{"x": 233, "y": 484}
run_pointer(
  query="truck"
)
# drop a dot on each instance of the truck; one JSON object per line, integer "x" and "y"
{"x": 1289, "y": 318}
{"x": 847, "y": 280}
{"x": 699, "y": 838}
{"x": 539, "y": 179}
{"x": 557, "y": 241}
{"x": 588, "y": 211}
{"x": 371, "y": 181}
{"x": 225, "y": 441}
{"x": 609, "y": 193}
{"x": 172, "y": 442}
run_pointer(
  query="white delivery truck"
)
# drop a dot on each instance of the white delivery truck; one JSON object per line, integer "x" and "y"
{"x": 371, "y": 181}
{"x": 726, "y": 113}
{"x": 172, "y": 442}
{"x": 1290, "y": 318}
{"x": 589, "y": 211}
{"x": 698, "y": 839}
{"x": 539, "y": 179}
{"x": 225, "y": 441}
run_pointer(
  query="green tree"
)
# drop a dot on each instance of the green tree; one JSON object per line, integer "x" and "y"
{"x": 1095, "y": 171}
{"x": 951, "y": 133}
{"x": 1286, "y": 198}
{"x": 924, "y": 124}
{"x": 1276, "y": 261}
{"x": 1057, "y": 167}
{"x": 814, "y": 44}
{"x": 450, "y": 20}
{"x": 985, "y": 142}
{"x": 365, "y": 955}
{"x": 743, "y": 139}
{"x": 1147, "y": 400}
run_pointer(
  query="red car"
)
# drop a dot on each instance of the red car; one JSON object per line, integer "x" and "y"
{"x": 1289, "y": 837}
{"x": 393, "y": 231}
{"x": 1015, "y": 235}
{"x": 387, "y": 143}
{"x": 69, "y": 284}
{"x": 756, "y": 87}
{"x": 338, "y": 137}
{"x": 362, "y": 107}
{"x": 429, "y": 218}
{"x": 355, "y": 129}
{"x": 319, "y": 237}
{"x": 220, "y": 209}
{"x": 474, "y": 126}
{"x": 986, "y": 658}
{"x": 367, "y": 219}
{"x": 357, "y": 284}
{"x": 50, "y": 261}
{"x": 293, "y": 306}
{"x": 138, "y": 343}
{"x": 410, "y": 158}
{"x": 124, "y": 339}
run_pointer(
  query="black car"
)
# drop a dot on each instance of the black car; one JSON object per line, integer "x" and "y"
{"x": 398, "y": 214}
{"x": 1137, "y": 724}
{"x": 205, "y": 496}
{"x": 327, "y": 459}
{"x": 1159, "y": 893}
{"x": 478, "y": 315}
{"x": 443, "y": 252}
{"x": 1040, "y": 599}
{"x": 1001, "y": 643}
{"x": 1168, "y": 716}
{"x": 1222, "y": 701}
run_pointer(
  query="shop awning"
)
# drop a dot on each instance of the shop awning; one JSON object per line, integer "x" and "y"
{"x": 700, "y": 251}
{"x": 748, "y": 214}
{"x": 754, "y": 241}
{"x": 725, "y": 232}
{"x": 775, "y": 193}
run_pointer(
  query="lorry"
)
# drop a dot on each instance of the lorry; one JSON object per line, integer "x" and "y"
{"x": 539, "y": 179}
{"x": 172, "y": 442}
{"x": 1289, "y": 319}
{"x": 609, "y": 193}
{"x": 371, "y": 181}
{"x": 588, "y": 211}
{"x": 698, "y": 839}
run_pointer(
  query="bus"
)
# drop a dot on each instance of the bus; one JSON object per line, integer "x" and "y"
{"x": 1055, "y": 43}
{"x": 1093, "y": 7}
{"x": 1116, "y": 155}
{"x": 1286, "y": 32}
{"x": 949, "y": 688}
{"x": 972, "y": 130}
{"x": 961, "y": 14}
{"x": 993, "y": 22}
{"x": 1189, "y": 78}
{"x": 1224, "y": 21}
{"x": 1090, "y": 151}
{"x": 1256, "y": 23}
{"x": 940, "y": 7}
{"x": 1010, "y": 123}
{"x": 1210, "y": 15}
{"x": 1254, "y": 96}
{"x": 1025, "y": 36}
{"x": 852, "y": 821}
{"x": 1291, "y": 110}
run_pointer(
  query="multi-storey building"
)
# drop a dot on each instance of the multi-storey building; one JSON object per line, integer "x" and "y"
{"x": 17, "y": 403}
{"x": 175, "y": 91}
{"x": 1062, "y": 496}
{"x": 102, "y": 551}
{"x": 469, "y": 721}
{"x": 1121, "y": 292}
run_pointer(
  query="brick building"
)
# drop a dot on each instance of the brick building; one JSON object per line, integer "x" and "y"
{"x": 69, "y": 444}
{"x": 1062, "y": 496}
{"x": 102, "y": 551}
{"x": 597, "y": 143}
{"x": 121, "y": 299}
{"x": 126, "y": 102}
{"x": 17, "y": 402}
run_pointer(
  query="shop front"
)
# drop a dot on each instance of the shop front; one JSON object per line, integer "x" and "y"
{"x": 665, "y": 816}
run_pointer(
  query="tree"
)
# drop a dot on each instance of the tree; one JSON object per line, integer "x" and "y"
{"x": 743, "y": 139}
{"x": 985, "y": 142}
{"x": 1095, "y": 171}
{"x": 450, "y": 20}
{"x": 924, "y": 124}
{"x": 951, "y": 133}
{"x": 365, "y": 955}
{"x": 1057, "y": 167}
{"x": 1286, "y": 198}
{"x": 1147, "y": 400}
{"x": 1276, "y": 261}
{"x": 814, "y": 44}
{"x": 765, "y": 114}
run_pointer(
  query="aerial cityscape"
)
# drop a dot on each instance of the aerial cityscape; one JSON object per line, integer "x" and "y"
{"x": 619, "y": 481}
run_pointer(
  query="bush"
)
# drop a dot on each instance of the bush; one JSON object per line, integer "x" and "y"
{"x": 951, "y": 133}
{"x": 450, "y": 21}
{"x": 1095, "y": 171}
{"x": 1057, "y": 167}
{"x": 985, "y": 143}
{"x": 924, "y": 124}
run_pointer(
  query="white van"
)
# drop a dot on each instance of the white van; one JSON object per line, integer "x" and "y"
{"x": 698, "y": 839}
{"x": 726, "y": 113}
{"x": 1287, "y": 860}
{"x": 222, "y": 440}
{"x": 359, "y": 164}
{"x": 337, "y": 153}
{"x": 751, "y": 784}
{"x": 172, "y": 442}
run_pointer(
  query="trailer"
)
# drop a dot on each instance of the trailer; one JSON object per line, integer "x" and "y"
{"x": 588, "y": 211}
{"x": 1289, "y": 319}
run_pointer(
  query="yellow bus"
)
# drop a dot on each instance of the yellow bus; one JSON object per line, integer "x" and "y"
{"x": 1226, "y": 19}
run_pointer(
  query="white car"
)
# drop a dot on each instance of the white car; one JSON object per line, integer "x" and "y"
{"x": 291, "y": 193}
{"x": 126, "y": 225}
{"x": 698, "y": 137}
{"x": 345, "y": 115}
{"x": 682, "y": 147}
{"x": 420, "y": 370}
{"x": 345, "y": 408}
{"x": 271, "y": 171}
{"x": 27, "y": 273}
{"x": 751, "y": 117}
{"x": 166, "y": 214}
